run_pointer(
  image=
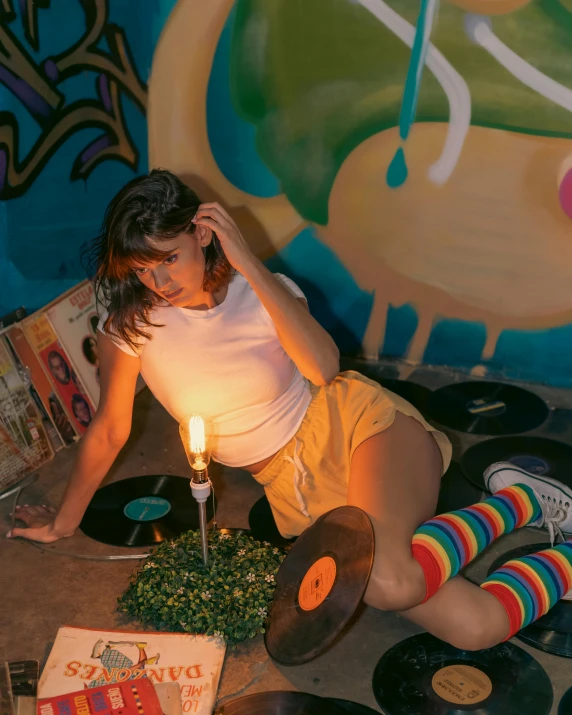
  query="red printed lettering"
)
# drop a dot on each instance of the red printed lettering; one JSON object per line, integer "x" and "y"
{"x": 194, "y": 671}
{"x": 72, "y": 668}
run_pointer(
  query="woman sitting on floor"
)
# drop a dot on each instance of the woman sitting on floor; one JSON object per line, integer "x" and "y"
{"x": 213, "y": 332}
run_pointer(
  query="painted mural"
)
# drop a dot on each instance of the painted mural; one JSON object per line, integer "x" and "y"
{"x": 73, "y": 100}
{"x": 410, "y": 164}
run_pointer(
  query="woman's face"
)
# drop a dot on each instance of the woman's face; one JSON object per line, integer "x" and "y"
{"x": 179, "y": 277}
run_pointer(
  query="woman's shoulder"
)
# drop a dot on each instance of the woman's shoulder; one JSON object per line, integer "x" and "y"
{"x": 240, "y": 283}
{"x": 108, "y": 327}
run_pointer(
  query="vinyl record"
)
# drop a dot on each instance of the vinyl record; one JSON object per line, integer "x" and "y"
{"x": 425, "y": 676}
{"x": 319, "y": 585}
{"x": 565, "y": 705}
{"x": 142, "y": 511}
{"x": 351, "y": 708}
{"x": 490, "y": 408}
{"x": 279, "y": 702}
{"x": 537, "y": 455}
{"x": 263, "y": 526}
{"x": 417, "y": 395}
{"x": 456, "y": 492}
{"x": 552, "y": 632}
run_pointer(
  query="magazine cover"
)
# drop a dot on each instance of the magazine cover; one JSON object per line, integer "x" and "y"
{"x": 74, "y": 319}
{"x": 70, "y": 390}
{"x": 83, "y": 657}
{"x": 56, "y": 423}
{"x": 41, "y": 382}
{"x": 24, "y": 441}
{"x": 135, "y": 697}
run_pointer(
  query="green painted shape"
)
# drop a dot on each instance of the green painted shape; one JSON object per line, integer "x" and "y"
{"x": 319, "y": 77}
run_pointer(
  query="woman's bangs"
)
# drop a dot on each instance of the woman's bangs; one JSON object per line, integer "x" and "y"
{"x": 136, "y": 251}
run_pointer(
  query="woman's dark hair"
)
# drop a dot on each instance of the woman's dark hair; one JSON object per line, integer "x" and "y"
{"x": 157, "y": 206}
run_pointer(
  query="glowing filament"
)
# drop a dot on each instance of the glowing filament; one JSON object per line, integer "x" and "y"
{"x": 197, "y": 442}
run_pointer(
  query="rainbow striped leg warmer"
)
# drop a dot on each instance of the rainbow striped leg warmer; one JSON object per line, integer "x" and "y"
{"x": 446, "y": 544}
{"x": 528, "y": 587}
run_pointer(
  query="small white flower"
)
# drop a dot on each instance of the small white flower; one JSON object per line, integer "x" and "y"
{"x": 225, "y": 536}
{"x": 269, "y": 577}
{"x": 181, "y": 590}
{"x": 237, "y": 592}
{"x": 251, "y": 577}
{"x": 206, "y": 595}
{"x": 266, "y": 543}
{"x": 262, "y": 612}
{"x": 275, "y": 551}
{"x": 242, "y": 552}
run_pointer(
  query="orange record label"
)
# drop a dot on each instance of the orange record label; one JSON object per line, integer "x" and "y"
{"x": 317, "y": 583}
{"x": 462, "y": 684}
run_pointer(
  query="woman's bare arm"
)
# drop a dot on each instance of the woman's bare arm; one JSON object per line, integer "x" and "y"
{"x": 98, "y": 448}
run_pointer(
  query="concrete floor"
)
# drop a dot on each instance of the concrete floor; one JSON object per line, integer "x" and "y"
{"x": 41, "y": 592}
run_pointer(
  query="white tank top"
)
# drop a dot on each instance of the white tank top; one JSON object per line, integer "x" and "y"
{"x": 226, "y": 363}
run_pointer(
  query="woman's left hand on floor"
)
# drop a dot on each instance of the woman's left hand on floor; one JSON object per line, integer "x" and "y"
{"x": 39, "y": 521}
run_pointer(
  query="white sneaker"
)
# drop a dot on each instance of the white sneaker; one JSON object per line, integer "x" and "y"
{"x": 555, "y": 498}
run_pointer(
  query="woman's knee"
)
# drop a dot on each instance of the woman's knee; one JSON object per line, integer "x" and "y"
{"x": 473, "y": 634}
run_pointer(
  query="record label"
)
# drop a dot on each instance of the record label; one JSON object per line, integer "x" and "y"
{"x": 530, "y": 463}
{"x": 462, "y": 684}
{"x": 486, "y": 408}
{"x": 317, "y": 583}
{"x": 147, "y": 508}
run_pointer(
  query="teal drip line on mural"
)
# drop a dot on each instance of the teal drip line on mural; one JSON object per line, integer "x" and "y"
{"x": 397, "y": 170}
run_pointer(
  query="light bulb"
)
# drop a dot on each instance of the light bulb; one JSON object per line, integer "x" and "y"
{"x": 196, "y": 433}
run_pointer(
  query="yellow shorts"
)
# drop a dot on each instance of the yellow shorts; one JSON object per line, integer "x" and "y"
{"x": 310, "y": 474}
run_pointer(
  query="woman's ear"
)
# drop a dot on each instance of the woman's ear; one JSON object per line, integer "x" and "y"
{"x": 204, "y": 235}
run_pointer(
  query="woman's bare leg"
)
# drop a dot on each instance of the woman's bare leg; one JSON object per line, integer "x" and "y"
{"x": 395, "y": 477}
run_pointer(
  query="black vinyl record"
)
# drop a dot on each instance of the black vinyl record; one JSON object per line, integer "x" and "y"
{"x": 425, "y": 676}
{"x": 279, "y": 702}
{"x": 142, "y": 511}
{"x": 351, "y": 708}
{"x": 417, "y": 395}
{"x": 552, "y": 632}
{"x": 263, "y": 525}
{"x": 565, "y": 705}
{"x": 489, "y": 408}
{"x": 319, "y": 585}
{"x": 456, "y": 492}
{"x": 538, "y": 455}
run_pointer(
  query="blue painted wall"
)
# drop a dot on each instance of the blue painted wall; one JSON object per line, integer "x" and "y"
{"x": 45, "y": 218}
